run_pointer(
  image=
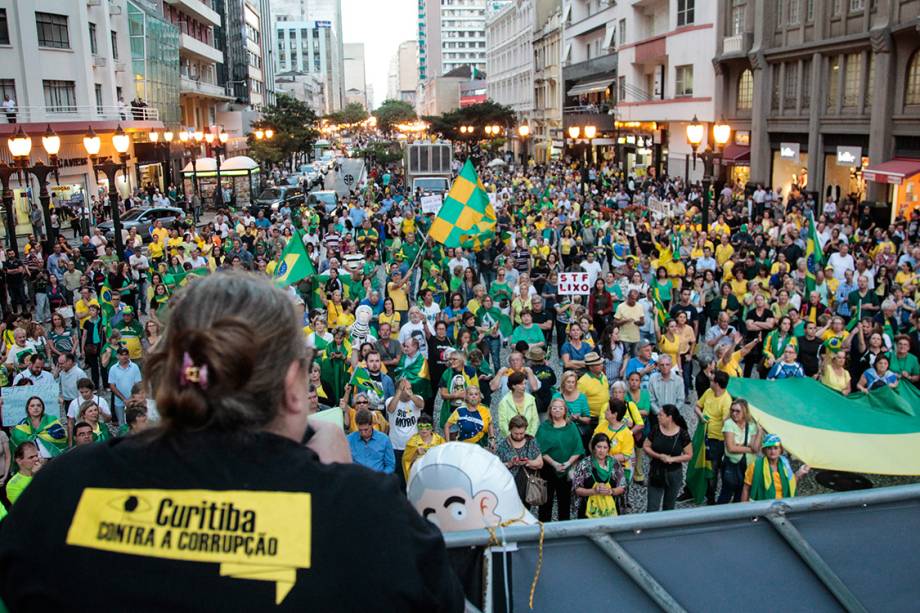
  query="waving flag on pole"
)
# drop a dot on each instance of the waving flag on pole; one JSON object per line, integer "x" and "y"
{"x": 814, "y": 257}
{"x": 294, "y": 264}
{"x": 467, "y": 217}
{"x": 699, "y": 470}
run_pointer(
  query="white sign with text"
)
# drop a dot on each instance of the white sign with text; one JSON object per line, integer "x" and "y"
{"x": 432, "y": 204}
{"x": 574, "y": 283}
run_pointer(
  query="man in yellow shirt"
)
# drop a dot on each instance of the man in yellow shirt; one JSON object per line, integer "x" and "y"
{"x": 159, "y": 233}
{"x": 713, "y": 408}
{"x": 593, "y": 384}
{"x": 724, "y": 251}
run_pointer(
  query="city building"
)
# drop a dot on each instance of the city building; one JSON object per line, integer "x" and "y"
{"x": 67, "y": 64}
{"x": 355, "y": 75}
{"x": 546, "y": 136}
{"x": 324, "y": 14}
{"x": 402, "y": 80}
{"x": 457, "y": 88}
{"x": 510, "y": 59}
{"x": 242, "y": 40}
{"x": 824, "y": 96}
{"x": 589, "y": 73}
{"x": 309, "y": 47}
{"x": 451, "y": 34}
{"x": 665, "y": 79}
{"x": 308, "y": 87}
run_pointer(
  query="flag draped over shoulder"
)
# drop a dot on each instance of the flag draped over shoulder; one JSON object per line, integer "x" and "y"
{"x": 467, "y": 217}
{"x": 661, "y": 313}
{"x": 294, "y": 265}
{"x": 814, "y": 257}
{"x": 415, "y": 369}
{"x": 173, "y": 281}
{"x": 699, "y": 471}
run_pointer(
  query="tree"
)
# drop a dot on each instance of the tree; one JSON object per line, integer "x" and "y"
{"x": 477, "y": 115}
{"x": 382, "y": 152}
{"x": 393, "y": 112}
{"x": 294, "y": 124}
{"x": 354, "y": 112}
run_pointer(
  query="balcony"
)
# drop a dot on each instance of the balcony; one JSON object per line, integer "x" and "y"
{"x": 76, "y": 113}
{"x": 738, "y": 45}
{"x": 199, "y": 50}
{"x": 197, "y": 9}
{"x": 653, "y": 51}
{"x": 202, "y": 88}
{"x": 587, "y": 116}
{"x": 595, "y": 66}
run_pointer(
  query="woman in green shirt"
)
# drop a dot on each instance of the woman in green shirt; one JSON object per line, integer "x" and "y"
{"x": 527, "y": 332}
{"x": 89, "y": 412}
{"x": 664, "y": 285}
{"x": 560, "y": 442}
{"x": 500, "y": 289}
{"x": 577, "y": 403}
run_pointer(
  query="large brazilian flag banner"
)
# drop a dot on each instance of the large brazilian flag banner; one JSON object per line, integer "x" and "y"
{"x": 877, "y": 432}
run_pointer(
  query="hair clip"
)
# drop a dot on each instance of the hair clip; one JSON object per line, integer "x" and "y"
{"x": 191, "y": 373}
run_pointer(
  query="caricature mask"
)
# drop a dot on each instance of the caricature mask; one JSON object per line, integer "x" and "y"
{"x": 363, "y": 315}
{"x": 458, "y": 486}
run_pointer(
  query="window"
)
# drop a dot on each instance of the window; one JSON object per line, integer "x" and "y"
{"x": 622, "y": 30}
{"x": 99, "y": 98}
{"x": 738, "y": 15}
{"x": 60, "y": 96}
{"x": 774, "y": 89}
{"x": 835, "y": 8}
{"x": 779, "y": 12}
{"x": 621, "y": 85}
{"x": 93, "y": 47}
{"x": 833, "y": 86}
{"x": 114, "y": 45}
{"x": 851, "y": 79}
{"x": 52, "y": 30}
{"x": 685, "y": 12}
{"x": 790, "y": 85}
{"x": 806, "y": 84}
{"x": 857, "y": 5}
{"x": 913, "y": 80}
{"x": 809, "y": 11}
{"x": 683, "y": 81}
{"x": 871, "y": 80}
{"x": 4, "y": 28}
{"x": 8, "y": 88}
{"x": 746, "y": 91}
{"x": 792, "y": 15}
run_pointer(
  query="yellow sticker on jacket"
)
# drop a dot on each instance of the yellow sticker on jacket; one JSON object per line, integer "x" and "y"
{"x": 263, "y": 536}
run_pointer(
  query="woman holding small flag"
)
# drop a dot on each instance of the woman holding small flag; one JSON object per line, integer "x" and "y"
{"x": 770, "y": 477}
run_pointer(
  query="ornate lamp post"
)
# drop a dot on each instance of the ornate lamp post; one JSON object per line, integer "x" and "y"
{"x": 20, "y": 147}
{"x": 109, "y": 167}
{"x": 263, "y": 134}
{"x": 721, "y": 133}
{"x": 218, "y": 146}
{"x": 523, "y": 133}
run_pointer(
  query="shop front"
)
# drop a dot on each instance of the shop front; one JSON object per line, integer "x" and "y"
{"x": 638, "y": 147}
{"x": 843, "y": 173}
{"x": 790, "y": 166}
{"x": 736, "y": 157}
{"x": 902, "y": 175}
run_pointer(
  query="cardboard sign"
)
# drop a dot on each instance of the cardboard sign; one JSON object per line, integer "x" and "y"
{"x": 660, "y": 208}
{"x": 432, "y": 204}
{"x": 14, "y": 401}
{"x": 574, "y": 283}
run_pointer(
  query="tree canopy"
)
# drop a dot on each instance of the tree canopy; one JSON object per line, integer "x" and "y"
{"x": 393, "y": 112}
{"x": 353, "y": 113}
{"x": 477, "y": 115}
{"x": 294, "y": 124}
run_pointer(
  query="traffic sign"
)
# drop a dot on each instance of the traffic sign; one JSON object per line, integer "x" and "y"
{"x": 349, "y": 179}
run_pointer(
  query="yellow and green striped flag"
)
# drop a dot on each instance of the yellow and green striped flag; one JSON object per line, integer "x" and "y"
{"x": 467, "y": 218}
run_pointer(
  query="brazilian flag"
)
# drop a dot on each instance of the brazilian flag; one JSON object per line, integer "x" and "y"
{"x": 181, "y": 279}
{"x": 105, "y": 300}
{"x": 294, "y": 264}
{"x": 699, "y": 471}
{"x": 661, "y": 313}
{"x": 467, "y": 218}
{"x": 813, "y": 255}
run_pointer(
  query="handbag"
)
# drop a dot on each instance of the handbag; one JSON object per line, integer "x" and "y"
{"x": 535, "y": 493}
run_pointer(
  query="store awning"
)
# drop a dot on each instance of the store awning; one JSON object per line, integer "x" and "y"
{"x": 893, "y": 171}
{"x": 590, "y": 86}
{"x": 737, "y": 155}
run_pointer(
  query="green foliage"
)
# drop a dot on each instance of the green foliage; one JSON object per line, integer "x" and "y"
{"x": 392, "y": 113}
{"x": 478, "y": 115}
{"x": 294, "y": 124}
{"x": 384, "y": 152}
{"x": 353, "y": 113}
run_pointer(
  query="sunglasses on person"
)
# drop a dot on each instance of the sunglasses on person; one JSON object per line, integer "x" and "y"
{"x": 425, "y": 427}
{"x": 362, "y": 402}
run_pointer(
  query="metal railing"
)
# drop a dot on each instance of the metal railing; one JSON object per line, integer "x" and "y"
{"x": 733, "y": 44}
{"x": 75, "y": 112}
{"x": 636, "y": 94}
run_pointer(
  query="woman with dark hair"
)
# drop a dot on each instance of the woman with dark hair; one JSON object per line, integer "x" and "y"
{"x": 519, "y": 452}
{"x": 668, "y": 446}
{"x": 600, "y": 305}
{"x": 40, "y": 428}
{"x": 596, "y": 481}
{"x": 231, "y": 383}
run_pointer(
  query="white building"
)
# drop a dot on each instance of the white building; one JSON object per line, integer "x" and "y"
{"x": 307, "y": 87}
{"x": 451, "y": 34}
{"x": 309, "y": 47}
{"x": 509, "y": 56}
{"x": 402, "y": 78}
{"x": 546, "y": 138}
{"x": 355, "y": 75}
{"x": 665, "y": 78}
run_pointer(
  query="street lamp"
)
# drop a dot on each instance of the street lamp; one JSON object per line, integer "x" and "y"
{"x": 20, "y": 145}
{"x": 191, "y": 140}
{"x": 721, "y": 133}
{"x": 589, "y": 132}
{"x": 523, "y": 133}
{"x": 165, "y": 146}
{"x": 262, "y": 134}
{"x": 218, "y": 149}
{"x": 109, "y": 167}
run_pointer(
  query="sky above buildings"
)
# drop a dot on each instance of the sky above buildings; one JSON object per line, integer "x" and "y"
{"x": 381, "y": 26}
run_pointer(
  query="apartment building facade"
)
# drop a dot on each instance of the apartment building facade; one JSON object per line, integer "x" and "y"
{"x": 309, "y": 48}
{"x": 451, "y": 34}
{"x": 826, "y": 95}
{"x": 546, "y": 137}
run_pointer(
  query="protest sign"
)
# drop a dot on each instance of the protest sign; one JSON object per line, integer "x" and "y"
{"x": 14, "y": 401}
{"x": 573, "y": 283}
{"x": 660, "y": 208}
{"x": 432, "y": 204}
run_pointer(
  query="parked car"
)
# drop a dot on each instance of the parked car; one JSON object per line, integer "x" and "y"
{"x": 142, "y": 220}
{"x": 273, "y": 197}
{"x": 327, "y": 198}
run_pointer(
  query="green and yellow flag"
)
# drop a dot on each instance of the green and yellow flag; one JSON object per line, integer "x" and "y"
{"x": 814, "y": 257}
{"x": 467, "y": 218}
{"x": 699, "y": 470}
{"x": 294, "y": 264}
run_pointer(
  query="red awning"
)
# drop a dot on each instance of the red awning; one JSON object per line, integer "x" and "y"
{"x": 893, "y": 171}
{"x": 737, "y": 155}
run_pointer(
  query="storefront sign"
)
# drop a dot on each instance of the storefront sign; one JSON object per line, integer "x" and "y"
{"x": 849, "y": 156}
{"x": 72, "y": 162}
{"x": 789, "y": 151}
{"x": 743, "y": 138}
{"x": 573, "y": 283}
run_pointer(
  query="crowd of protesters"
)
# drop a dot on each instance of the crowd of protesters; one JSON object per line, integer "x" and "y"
{"x": 419, "y": 343}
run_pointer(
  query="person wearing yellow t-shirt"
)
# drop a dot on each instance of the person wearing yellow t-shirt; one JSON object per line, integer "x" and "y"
{"x": 713, "y": 408}
{"x": 622, "y": 443}
{"x": 159, "y": 233}
{"x": 724, "y": 251}
{"x": 396, "y": 291}
{"x": 770, "y": 477}
{"x": 593, "y": 384}
{"x": 81, "y": 306}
